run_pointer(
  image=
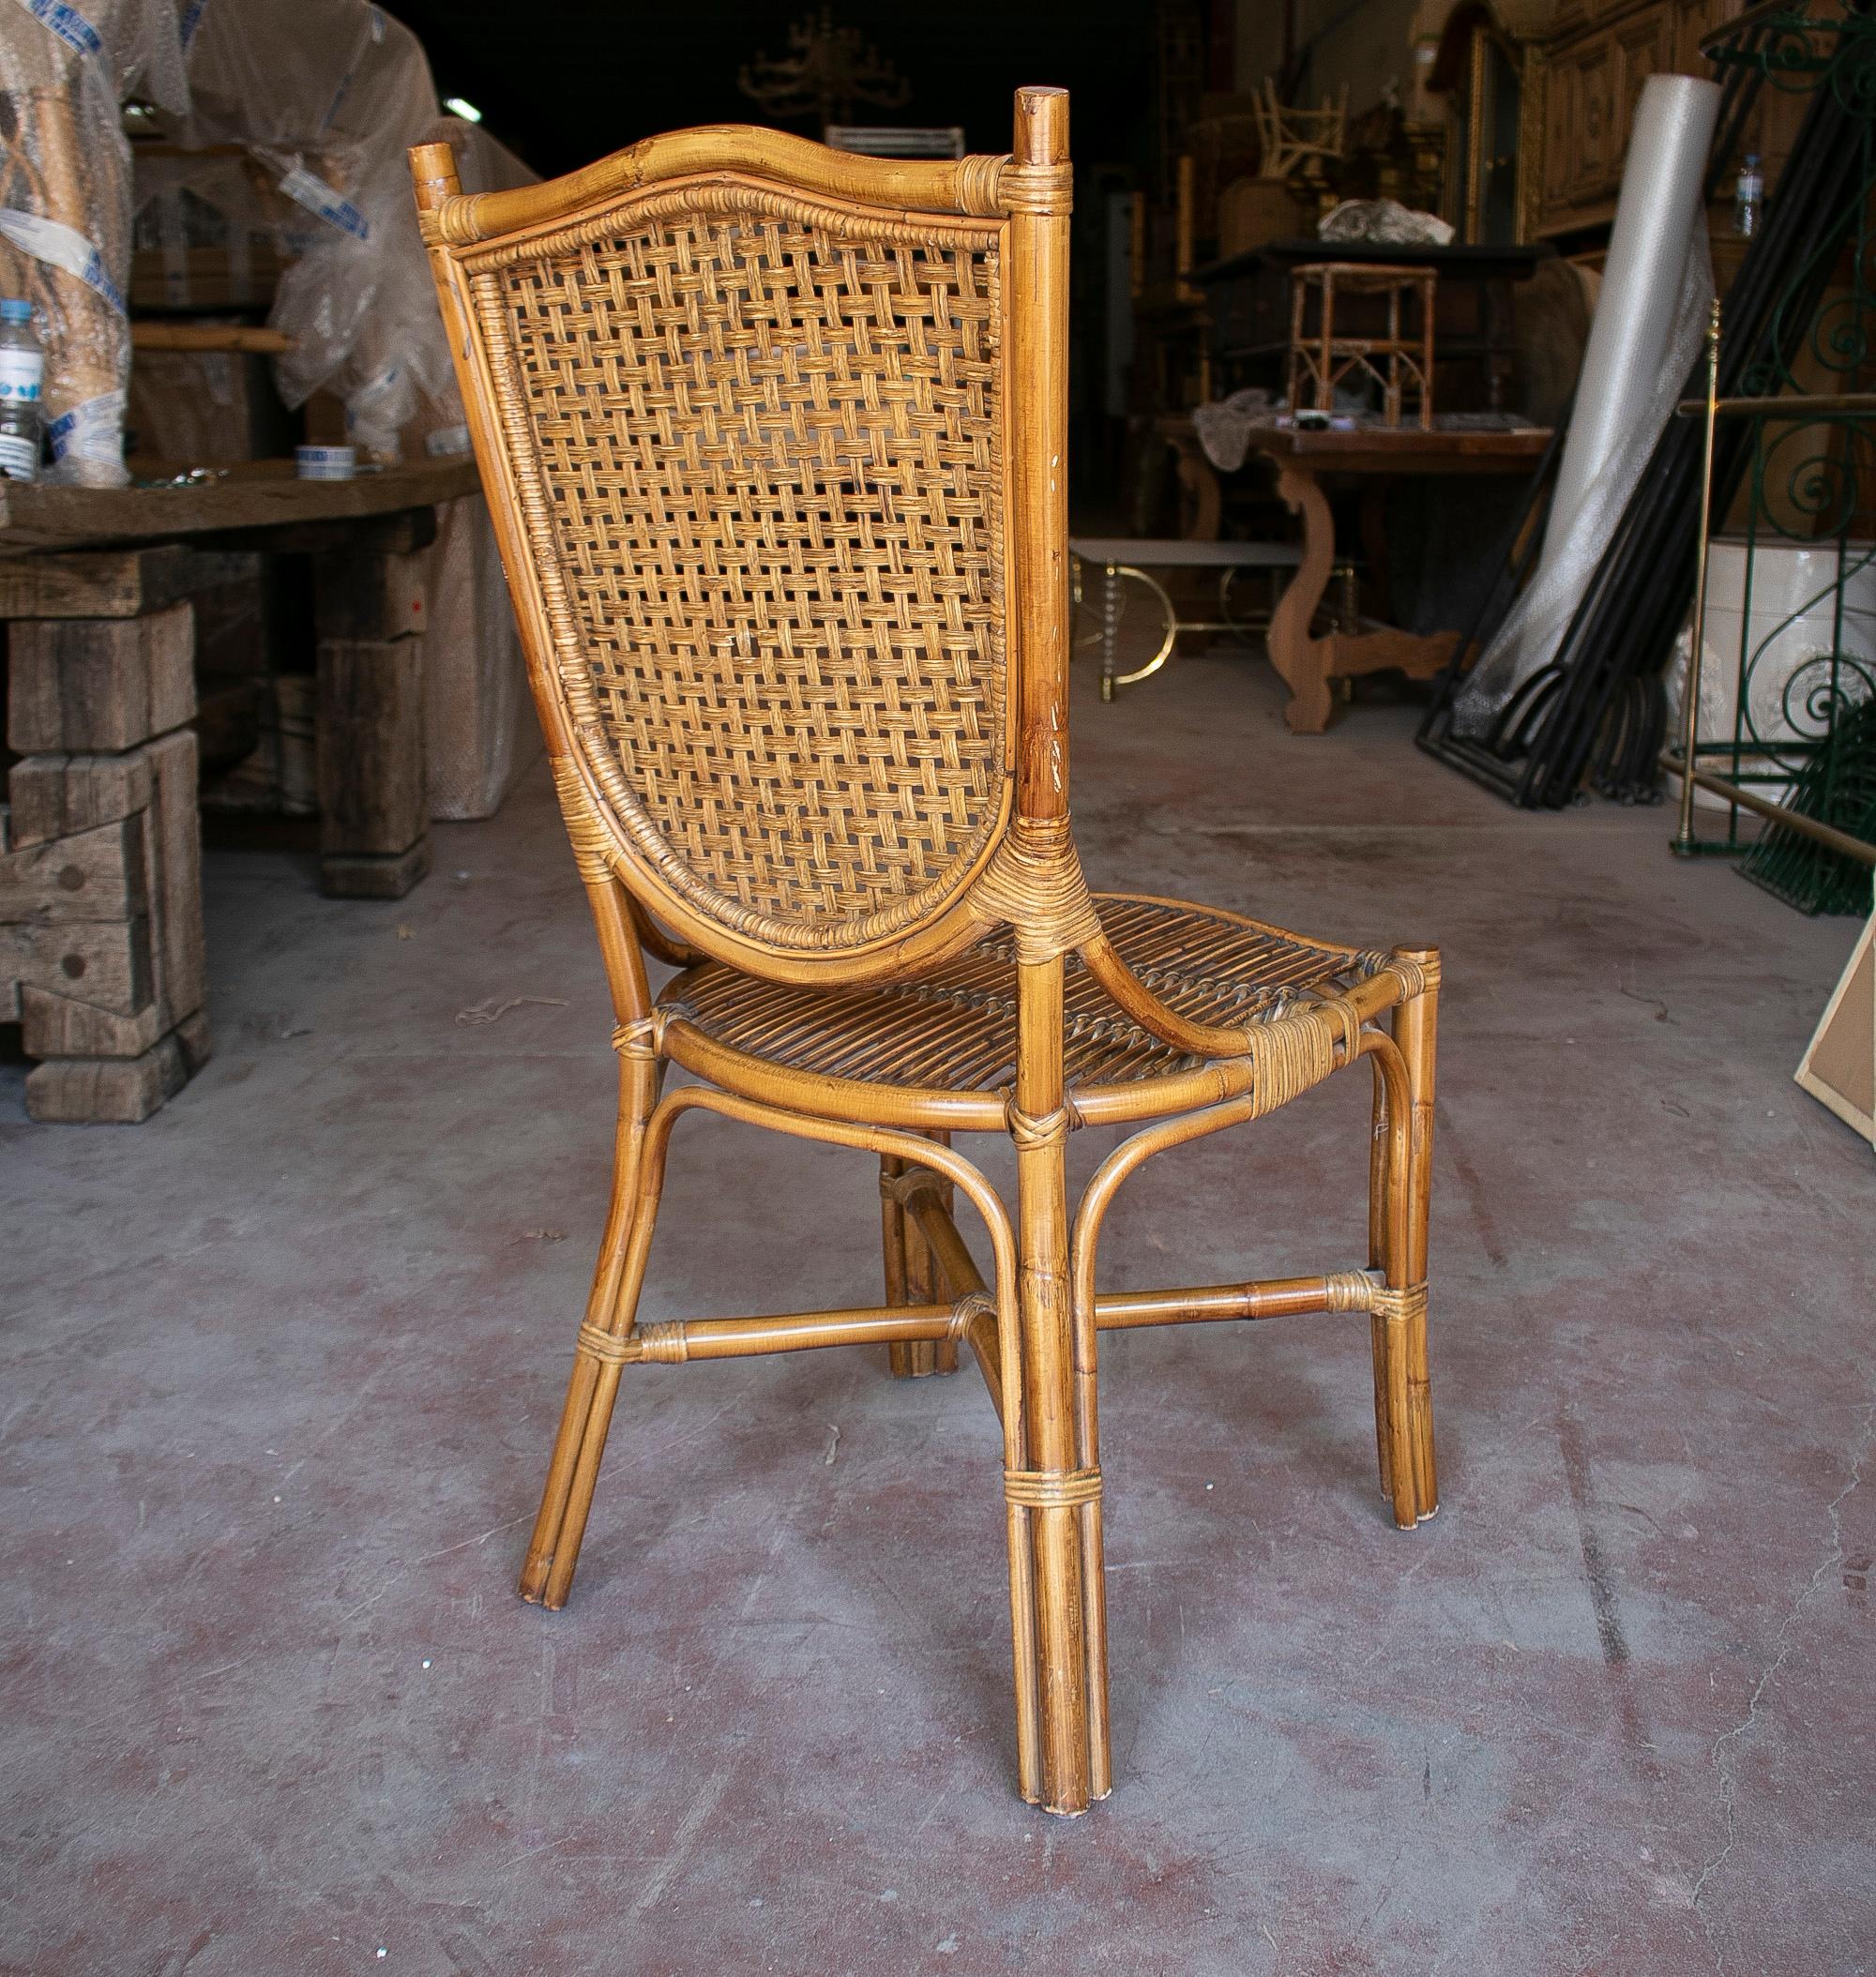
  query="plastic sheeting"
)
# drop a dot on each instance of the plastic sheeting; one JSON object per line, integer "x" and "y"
{"x": 478, "y": 719}
{"x": 66, "y": 66}
{"x": 1651, "y": 317}
{"x": 327, "y": 100}
{"x": 1384, "y": 222}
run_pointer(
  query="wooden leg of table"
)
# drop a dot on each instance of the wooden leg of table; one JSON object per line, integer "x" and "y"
{"x": 100, "y": 878}
{"x": 374, "y": 799}
{"x": 1301, "y": 661}
{"x": 1307, "y": 664}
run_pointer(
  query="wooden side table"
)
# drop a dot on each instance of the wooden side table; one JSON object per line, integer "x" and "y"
{"x": 100, "y": 891}
{"x": 1308, "y": 663}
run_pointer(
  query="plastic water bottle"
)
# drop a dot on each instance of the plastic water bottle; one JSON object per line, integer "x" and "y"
{"x": 23, "y": 366}
{"x": 1748, "y": 194}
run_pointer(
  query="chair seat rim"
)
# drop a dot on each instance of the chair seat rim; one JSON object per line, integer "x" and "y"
{"x": 886, "y": 1102}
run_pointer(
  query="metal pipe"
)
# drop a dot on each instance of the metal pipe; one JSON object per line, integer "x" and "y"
{"x": 1833, "y": 839}
{"x": 1684, "y": 840}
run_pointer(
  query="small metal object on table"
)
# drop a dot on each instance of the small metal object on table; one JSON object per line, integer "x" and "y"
{"x": 1122, "y": 558}
{"x": 100, "y": 889}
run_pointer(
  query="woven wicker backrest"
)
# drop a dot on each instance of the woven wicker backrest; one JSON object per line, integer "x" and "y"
{"x": 757, "y": 439}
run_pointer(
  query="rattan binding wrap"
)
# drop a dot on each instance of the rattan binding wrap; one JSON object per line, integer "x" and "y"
{"x": 758, "y": 443}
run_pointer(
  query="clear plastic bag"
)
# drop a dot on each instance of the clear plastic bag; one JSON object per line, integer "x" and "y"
{"x": 327, "y": 100}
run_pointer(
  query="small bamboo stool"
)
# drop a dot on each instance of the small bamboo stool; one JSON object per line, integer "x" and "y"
{"x": 1320, "y": 359}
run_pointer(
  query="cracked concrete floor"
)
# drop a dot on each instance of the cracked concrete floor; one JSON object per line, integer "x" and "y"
{"x": 281, "y": 1366}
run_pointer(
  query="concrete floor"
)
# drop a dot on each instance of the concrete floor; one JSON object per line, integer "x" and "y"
{"x": 282, "y": 1364}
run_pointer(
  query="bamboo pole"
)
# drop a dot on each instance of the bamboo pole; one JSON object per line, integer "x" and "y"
{"x": 1277, "y": 1297}
{"x": 1380, "y": 1139}
{"x": 1048, "y": 1529}
{"x": 1396, "y": 1345}
{"x": 592, "y": 1387}
{"x": 892, "y": 1244}
{"x": 1416, "y": 1026}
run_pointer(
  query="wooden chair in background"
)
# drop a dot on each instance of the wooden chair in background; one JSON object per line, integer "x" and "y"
{"x": 774, "y": 439}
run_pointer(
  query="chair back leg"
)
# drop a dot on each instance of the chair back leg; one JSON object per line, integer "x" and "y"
{"x": 913, "y": 1275}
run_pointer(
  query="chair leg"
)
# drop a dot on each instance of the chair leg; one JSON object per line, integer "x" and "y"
{"x": 574, "y": 1469}
{"x": 1054, "y": 1542}
{"x": 912, "y": 1276}
{"x": 1416, "y": 1033}
{"x": 893, "y": 1233}
{"x": 1378, "y": 1207}
{"x": 1391, "y": 1189}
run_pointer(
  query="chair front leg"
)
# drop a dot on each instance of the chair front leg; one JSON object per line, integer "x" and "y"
{"x": 1054, "y": 1500}
{"x": 1417, "y": 1023}
{"x": 1399, "y": 1193}
{"x": 638, "y": 1180}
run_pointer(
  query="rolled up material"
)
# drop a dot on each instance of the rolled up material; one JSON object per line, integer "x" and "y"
{"x": 1650, "y": 318}
{"x": 65, "y": 204}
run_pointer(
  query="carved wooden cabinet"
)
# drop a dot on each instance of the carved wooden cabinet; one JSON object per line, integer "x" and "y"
{"x": 1593, "y": 67}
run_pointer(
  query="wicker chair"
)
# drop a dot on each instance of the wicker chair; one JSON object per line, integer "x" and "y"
{"x": 774, "y": 441}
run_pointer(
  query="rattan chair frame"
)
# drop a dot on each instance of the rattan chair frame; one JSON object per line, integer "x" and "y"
{"x": 978, "y": 635}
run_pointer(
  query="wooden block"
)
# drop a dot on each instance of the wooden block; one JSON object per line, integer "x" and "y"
{"x": 368, "y": 878}
{"x": 104, "y": 1090}
{"x": 99, "y": 684}
{"x": 372, "y": 797}
{"x": 192, "y": 1038}
{"x": 136, "y": 880}
{"x": 174, "y": 843}
{"x": 100, "y": 874}
{"x": 59, "y": 795}
{"x": 241, "y": 511}
{"x": 94, "y": 583}
{"x": 370, "y": 596}
{"x": 110, "y": 964}
{"x": 55, "y": 1026}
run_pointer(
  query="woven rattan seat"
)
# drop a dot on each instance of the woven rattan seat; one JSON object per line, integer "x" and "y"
{"x": 773, "y": 440}
{"x": 955, "y": 1029}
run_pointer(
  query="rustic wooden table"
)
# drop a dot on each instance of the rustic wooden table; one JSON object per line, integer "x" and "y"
{"x": 100, "y": 894}
{"x": 1302, "y": 461}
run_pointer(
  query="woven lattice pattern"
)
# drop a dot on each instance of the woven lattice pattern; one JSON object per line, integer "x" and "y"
{"x": 770, "y": 444}
{"x": 956, "y": 1028}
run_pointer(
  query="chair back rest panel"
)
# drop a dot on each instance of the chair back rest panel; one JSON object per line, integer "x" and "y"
{"x": 758, "y": 440}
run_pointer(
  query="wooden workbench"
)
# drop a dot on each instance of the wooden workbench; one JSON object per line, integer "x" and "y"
{"x": 1303, "y": 462}
{"x": 100, "y": 894}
